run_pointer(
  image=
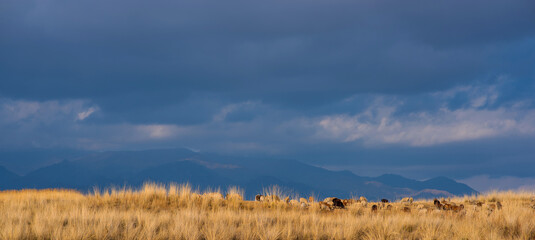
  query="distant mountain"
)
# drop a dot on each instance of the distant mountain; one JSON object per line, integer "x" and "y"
{"x": 8, "y": 179}
{"x": 22, "y": 162}
{"x": 441, "y": 183}
{"x": 132, "y": 168}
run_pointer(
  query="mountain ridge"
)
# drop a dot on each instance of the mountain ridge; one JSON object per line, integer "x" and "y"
{"x": 132, "y": 168}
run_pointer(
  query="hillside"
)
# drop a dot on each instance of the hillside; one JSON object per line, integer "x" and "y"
{"x": 133, "y": 168}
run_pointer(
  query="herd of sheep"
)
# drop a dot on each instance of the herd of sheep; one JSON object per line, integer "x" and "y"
{"x": 406, "y": 204}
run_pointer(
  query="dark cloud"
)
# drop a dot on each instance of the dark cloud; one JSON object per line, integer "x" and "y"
{"x": 374, "y": 86}
{"x": 296, "y": 54}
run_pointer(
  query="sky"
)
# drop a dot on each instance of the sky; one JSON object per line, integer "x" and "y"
{"x": 417, "y": 88}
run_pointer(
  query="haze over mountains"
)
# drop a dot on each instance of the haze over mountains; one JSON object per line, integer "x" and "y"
{"x": 133, "y": 168}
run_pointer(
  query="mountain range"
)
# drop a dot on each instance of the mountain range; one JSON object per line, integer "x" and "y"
{"x": 208, "y": 171}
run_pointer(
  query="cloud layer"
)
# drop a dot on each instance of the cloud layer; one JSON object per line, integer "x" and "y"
{"x": 419, "y": 88}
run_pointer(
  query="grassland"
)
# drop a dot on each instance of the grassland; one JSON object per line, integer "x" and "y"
{"x": 178, "y": 212}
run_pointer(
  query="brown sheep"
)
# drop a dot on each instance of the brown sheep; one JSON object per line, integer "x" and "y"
{"x": 303, "y": 200}
{"x": 348, "y": 202}
{"x": 407, "y": 200}
{"x": 337, "y": 203}
{"x": 325, "y": 206}
{"x": 374, "y": 208}
{"x": 258, "y": 197}
{"x": 406, "y": 209}
{"x": 437, "y": 204}
{"x": 458, "y": 208}
{"x": 384, "y": 200}
{"x": 334, "y": 202}
{"x": 363, "y": 199}
{"x": 447, "y": 207}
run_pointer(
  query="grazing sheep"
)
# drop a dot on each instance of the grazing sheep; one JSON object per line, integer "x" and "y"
{"x": 348, "y": 202}
{"x": 374, "y": 208}
{"x": 304, "y": 205}
{"x": 384, "y": 200}
{"x": 363, "y": 199}
{"x": 258, "y": 197}
{"x": 407, "y": 200}
{"x": 447, "y": 207}
{"x": 406, "y": 209}
{"x": 458, "y": 208}
{"x": 329, "y": 199}
{"x": 334, "y": 202}
{"x": 337, "y": 203}
{"x": 303, "y": 200}
{"x": 437, "y": 204}
{"x": 325, "y": 206}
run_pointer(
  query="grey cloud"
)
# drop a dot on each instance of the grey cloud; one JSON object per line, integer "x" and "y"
{"x": 297, "y": 54}
{"x": 257, "y": 77}
{"x": 486, "y": 183}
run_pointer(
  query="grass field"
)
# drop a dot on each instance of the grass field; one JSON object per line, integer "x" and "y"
{"x": 177, "y": 212}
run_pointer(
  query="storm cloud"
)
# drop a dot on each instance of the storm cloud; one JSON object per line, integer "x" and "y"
{"x": 372, "y": 86}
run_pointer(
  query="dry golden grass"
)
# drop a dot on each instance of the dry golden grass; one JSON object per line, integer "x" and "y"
{"x": 178, "y": 212}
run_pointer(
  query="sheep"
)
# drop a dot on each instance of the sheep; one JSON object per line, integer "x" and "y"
{"x": 406, "y": 209}
{"x": 458, "y": 208}
{"x": 407, "y": 200}
{"x": 310, "y": 199}
{"x": 334, "y": 202}
{"x": 374, "y": 208}
{"x": 363, "y": 199}
{"x": 389, "y": 207}
{"x": 348, "y": 202}
{"x": 303, "y": 200}
{"x": 447, "y": 207}
{"x": 437, "y": 204}
{"x": 325, "y": 206}
{"x": 384, "y": 200}
{"x": 499, "y": 205}
{"x": 258, "y": 197}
